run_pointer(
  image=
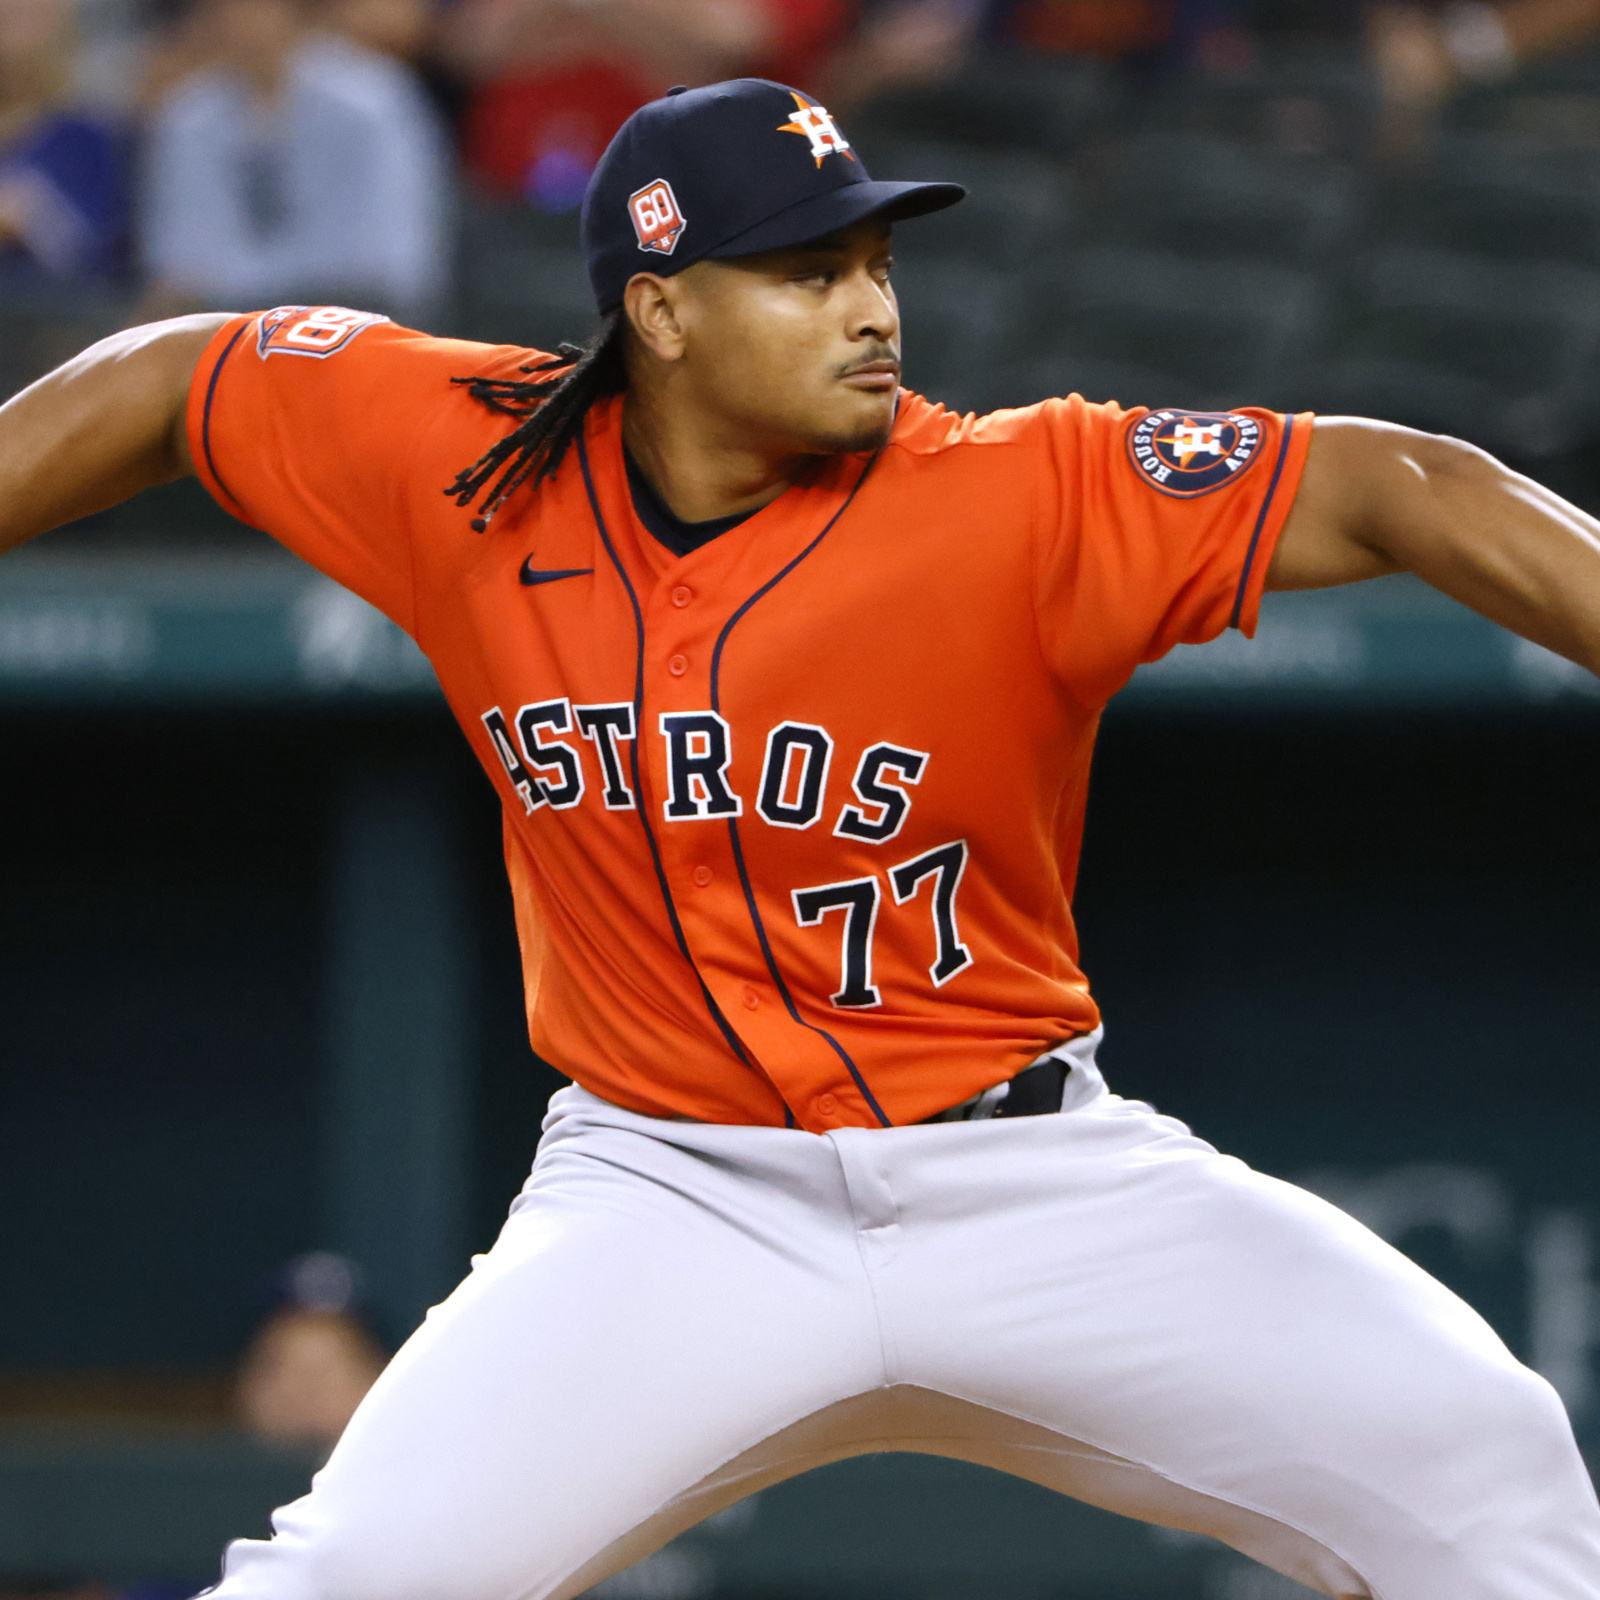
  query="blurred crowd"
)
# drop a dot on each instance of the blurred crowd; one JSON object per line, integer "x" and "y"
{"x": 194, "y": 153}
{"x": 312, "y": 1354}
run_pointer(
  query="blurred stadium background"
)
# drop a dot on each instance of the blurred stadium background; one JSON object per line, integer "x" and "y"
{"x": 259, "y": 1005}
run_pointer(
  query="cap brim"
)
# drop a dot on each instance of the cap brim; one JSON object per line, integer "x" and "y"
{"x": 823, "y": 214}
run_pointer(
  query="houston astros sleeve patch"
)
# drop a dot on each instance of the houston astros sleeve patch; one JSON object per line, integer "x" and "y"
{"x": 1190, "y": 453}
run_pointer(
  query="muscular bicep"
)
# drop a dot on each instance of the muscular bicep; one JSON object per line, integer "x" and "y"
{"x": 97, "y": 430}
{"x": 1378, "y": 498}
{"x": 1326, "y": 539}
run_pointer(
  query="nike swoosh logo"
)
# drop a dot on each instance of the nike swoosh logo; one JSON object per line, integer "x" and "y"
{"x": 531, "y": 575}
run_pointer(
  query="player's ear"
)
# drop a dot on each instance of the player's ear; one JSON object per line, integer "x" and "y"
{"x": 650, "y": 304}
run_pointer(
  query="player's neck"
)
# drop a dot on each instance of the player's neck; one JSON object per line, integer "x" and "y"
{"x": 695, "y": 467}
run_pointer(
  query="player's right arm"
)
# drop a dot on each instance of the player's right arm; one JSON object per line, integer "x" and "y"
{"x": 1378, "y": 498}
{"x": 101, "y": 428}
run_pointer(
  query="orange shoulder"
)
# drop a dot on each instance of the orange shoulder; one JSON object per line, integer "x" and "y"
{"x": 924, "y": 427}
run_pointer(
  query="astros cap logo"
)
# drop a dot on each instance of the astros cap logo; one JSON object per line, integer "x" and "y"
{"x": 656, "y": 218}
{"x": 814, "y": 122}
{"x": 1188, "y": 453}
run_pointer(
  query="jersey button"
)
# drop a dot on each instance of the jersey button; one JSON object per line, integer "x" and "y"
{"x": 702, "y": 876}
{"x": 825, "y": 1105}
{"x": 752, "y": 1000}
{"x": 678, "y": 665}
{"x": 682, "y": 595}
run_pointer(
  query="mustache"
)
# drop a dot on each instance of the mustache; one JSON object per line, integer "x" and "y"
{"x": 872, "y": 357}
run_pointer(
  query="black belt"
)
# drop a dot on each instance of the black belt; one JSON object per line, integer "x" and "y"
{"x": 1035, "y": 1091}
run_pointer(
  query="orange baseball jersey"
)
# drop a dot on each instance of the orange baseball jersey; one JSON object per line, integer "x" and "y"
{"x": 791, "y": 821}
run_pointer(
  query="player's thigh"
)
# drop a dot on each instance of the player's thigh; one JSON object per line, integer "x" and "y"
{"x": 1246, "y": 1340}
{"x": 645, "y": 1316}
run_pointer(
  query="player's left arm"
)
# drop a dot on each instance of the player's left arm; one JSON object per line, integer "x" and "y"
{"x": 1377, "y": 498}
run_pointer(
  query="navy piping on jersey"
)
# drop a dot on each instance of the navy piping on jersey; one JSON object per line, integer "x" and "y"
{"x": 633, "y": 763}
{"x": 733, "y": 826}
{"x": 1261, "y": 522}
{"x": 205, "y": 419}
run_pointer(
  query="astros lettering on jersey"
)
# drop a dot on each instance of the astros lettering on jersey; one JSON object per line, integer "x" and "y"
{"x": 792, "y": 821}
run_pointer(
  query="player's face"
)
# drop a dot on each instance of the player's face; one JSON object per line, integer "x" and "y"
{"x": 798, "y": 348}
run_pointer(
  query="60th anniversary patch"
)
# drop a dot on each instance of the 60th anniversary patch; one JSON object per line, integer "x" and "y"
{"x": 1189, "y": 453}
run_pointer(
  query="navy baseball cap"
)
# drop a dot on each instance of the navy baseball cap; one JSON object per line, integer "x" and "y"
{"x": 729, "y": 170}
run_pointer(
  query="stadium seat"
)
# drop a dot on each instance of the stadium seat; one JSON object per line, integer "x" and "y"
{"x": 1560, "y": 118}
{"x": 1431, "y": 398}
{"x": 1000, "y": 99}
{"x": 1555, "y": 99}
{"x": 1202, "y": 195}
{"x": 1502, "y": 354}
{"x": 1297, "y": 101}
{"x": 1564, "y": 71}
{"x": 521, "y": 279}
{"x": 1501, "y": 195}
{"x": 1019, "y": 209}
{"x": 500, "y": 224}
{"x": 1215, "y": 333}
{"x": 955, "y": 318}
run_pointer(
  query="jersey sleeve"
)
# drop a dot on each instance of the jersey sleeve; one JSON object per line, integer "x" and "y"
{"x": 1156, "y": 529}
{"x": 306, "y": 423}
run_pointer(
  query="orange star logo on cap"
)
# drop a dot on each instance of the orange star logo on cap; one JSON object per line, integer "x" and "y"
{"x": 814, "y": 123}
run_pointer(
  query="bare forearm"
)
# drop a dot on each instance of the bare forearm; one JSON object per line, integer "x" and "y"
{"x": 1504, "y": 545}
{"x": 1378, "y": 498}
{"x": 99, "y": 429}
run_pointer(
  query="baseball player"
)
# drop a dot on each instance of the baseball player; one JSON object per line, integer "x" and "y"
{"x": 788, "y": 680}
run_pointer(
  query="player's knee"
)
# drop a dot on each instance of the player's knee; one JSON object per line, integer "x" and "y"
{"x": 431, "y": 1562}
{"x": 1514, "y": 1414}
{"x": 343, "y": 1562}
{"x": 348, "y": 1567}
{"x": 1511, "y": 1456}
{"x": 331, "y": 1545}
{"x": 339, "y": 1571}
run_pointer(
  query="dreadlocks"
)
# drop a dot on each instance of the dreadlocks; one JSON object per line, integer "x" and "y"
{"x": 552, "y": 409}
